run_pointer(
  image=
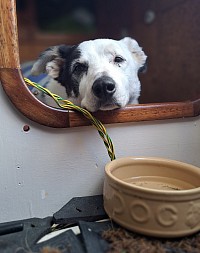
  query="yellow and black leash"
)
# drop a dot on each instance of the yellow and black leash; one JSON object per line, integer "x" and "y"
{"x": 66, "y": 104}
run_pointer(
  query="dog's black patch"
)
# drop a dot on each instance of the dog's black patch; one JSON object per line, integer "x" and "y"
{"x": 143, "y": 69}
{"x": 66, "y": 76}
{"x": 80, "y": 68}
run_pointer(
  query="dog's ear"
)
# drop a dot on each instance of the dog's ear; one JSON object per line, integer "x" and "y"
{"x": 136, "y": 51}
{"x": 50, "y": 61}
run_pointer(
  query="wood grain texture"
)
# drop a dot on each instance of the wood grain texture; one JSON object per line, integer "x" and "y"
{"x": 19, "y": 94}
{"x": 16, "y": 89}
{"x": 135, "y": 113}
{"x": 9, "y": 51}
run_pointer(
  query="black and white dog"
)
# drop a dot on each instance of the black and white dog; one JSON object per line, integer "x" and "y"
{"x": 99, "y": 74}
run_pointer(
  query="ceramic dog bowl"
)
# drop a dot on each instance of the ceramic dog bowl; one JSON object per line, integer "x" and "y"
{"x": 153, "y": 196}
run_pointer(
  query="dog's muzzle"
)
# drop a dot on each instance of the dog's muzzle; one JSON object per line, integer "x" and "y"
{"x": 104, "y": 88}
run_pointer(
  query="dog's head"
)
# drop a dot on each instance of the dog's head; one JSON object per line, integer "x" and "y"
{"x": 102, "y": 74}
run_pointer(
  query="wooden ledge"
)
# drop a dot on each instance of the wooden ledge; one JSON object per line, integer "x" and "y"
{"x": 18, "y": 92}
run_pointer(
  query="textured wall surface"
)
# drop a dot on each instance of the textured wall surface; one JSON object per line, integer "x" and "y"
{"x": 43, "y": 168}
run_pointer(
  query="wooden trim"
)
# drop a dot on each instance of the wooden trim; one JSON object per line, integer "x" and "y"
{"x": 19, "y": 94}
{"x": 9, "y": 50}
{"x": 16, "y": 89}
{"x": 142, "y": 112}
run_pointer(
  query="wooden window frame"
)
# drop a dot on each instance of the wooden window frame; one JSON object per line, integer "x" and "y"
{"x": 17, "y": 91}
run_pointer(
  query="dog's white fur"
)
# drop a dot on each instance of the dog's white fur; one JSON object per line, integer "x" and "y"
{"x": 100, "y": 55}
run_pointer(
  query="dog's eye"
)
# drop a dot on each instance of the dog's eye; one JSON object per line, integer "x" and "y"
{"x": 80, "y": 67}
{"x": 118, "y": 59}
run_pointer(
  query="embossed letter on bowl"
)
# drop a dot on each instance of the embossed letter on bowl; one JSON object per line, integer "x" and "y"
{"x": 153, "y": 196}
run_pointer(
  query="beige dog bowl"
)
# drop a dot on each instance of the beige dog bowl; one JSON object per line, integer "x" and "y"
{"x": 153, "y": 196}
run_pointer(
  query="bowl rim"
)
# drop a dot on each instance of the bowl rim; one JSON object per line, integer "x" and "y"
{"x": 109, "y": 166}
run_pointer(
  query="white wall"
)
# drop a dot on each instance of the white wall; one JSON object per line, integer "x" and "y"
{"x": 41, "y": 170}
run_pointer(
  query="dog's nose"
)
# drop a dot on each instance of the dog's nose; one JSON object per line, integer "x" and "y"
{"x": 104, "y": 87}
